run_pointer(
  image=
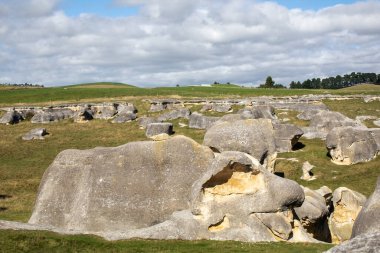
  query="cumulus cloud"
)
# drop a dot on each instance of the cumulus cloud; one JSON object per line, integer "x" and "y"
{"x": 187, "y": 42}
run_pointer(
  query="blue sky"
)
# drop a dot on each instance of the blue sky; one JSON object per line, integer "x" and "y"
{"x": 108, "y": 8}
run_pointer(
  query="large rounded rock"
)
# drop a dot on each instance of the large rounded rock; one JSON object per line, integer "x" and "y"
{"x": 364, "y": 243}
{"x": 133, "y": 186}
{"x": 199, "y": 121}
{"x": 368, "y": 220}
{"x": 348, "y": 145}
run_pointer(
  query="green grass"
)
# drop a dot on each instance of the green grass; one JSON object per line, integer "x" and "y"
{"x": 102, "y": 92}
{"x": 33, "y": 241}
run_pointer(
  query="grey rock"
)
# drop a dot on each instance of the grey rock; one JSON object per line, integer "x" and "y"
{"x": 159, "y": 128}
{"x": 124, "y": 117}
{"x": 348, "y": 145}
{"x": 278, "y": 223}
{"x": 84, "y": 114}
{"x": 133, "y": 186}
{"x": 313, "y": 214}
{"x": 35, "y": 134}
{"x": 286, "y": 136}
{"x": 258, "y": 137}
{"x": 123, "y": 108}
{"x": 217, "y": 107}
{"x": 364, "y": 243}
{"x": 104, "y": 111}
{"x": 11, "y": 117}
{"x": 325, "y": 121}
{"x": 145, "y": 121}
{"x": 377, "y": 122}
{"x": 258, "y": 112}
{"x": 308, "y": 114}
{"x": 368, "y": 220}
{"x": 199, "y": 121}
{"x": 175, "y": 114}
{"x": 52, "y": 115}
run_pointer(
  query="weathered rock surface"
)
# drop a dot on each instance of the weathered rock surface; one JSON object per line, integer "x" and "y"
{"x": 258, "y": 112}
{"x": 313, "y": 214}
{"x": 160, "y": 105}
{"x": 364, "y": 243}
{"x": 175, "y": 114}
{"x": 325, "y": 121}
{"x": 84, "y": 114}
{"x": 145, "y": 121}
{"x": 308, "y": 114}
{"x": 104, "y": 111}
{"x": 52, "y": 115}
{"x": 199, "y": 121}
{"x": 238, "y": 199}
{"x": 159, "y": 128}
{"x": 217, "y": 107}
{"x": 124, "y": 117}
{"x": 133, "y": 186}
{"x": 348, "y": 145}
{"x": 11, "y": 117}
{"x": 260, "y": 138}
{"x": 368, "y": 220}
{"x": 35, "y": 134}
{"x": 347, "y": 205}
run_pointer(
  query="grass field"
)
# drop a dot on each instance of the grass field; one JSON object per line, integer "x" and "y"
{"x": 107, "y": 91}
{"x": 22, "y": 164}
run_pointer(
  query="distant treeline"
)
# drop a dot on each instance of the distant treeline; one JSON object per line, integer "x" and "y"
{"x": 22, "y": 85}
{"x": 337, "y": 82}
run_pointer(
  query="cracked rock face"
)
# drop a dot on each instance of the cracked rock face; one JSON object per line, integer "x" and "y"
{"x": 347, "y": 205}
{"x": 132, "y": 186}
{"x": 348, "y": 145}
{"x": 363, "y": 243}
{"x": 199, "y": 121}
{"x": 237, "y": 199}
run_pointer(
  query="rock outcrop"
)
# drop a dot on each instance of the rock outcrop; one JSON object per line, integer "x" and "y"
{"x": 52, "y": 115}
{"x": 364, "y": 243}
{"x": 199, "y": 121}
{"x": 307, "y": 175}
{"x": 175, "y": 114}
{"x": 347, "y": 205}
{"x": 258, "y": 112}
{"x": 133, "y": 186}
{"x": 348, "y": 145}
{"x": 325, "y": 121}
{"x": 11, "y": 117}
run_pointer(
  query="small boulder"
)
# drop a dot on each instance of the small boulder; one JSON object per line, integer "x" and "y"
{"x": 306, "y": 171}
{"x": 159, "y": 128}
{"x": 35, "y": 134}
{"x": 145, "y": 121}
{"x": 175, "y": 114}
{"x": 124, "y": 117}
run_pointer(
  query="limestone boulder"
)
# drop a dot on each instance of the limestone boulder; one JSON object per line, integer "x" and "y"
{"x": 104, "y": 111}
{"x": 159, "y": 128}
{"x": 325, "y": 121}
{"x": 347, "y": 205}
{"x": 238, "y": 199}
{"x": 11, "y": 117}
{"x": 126, "y": 108}
{"x": 124, "y": 117}
{"x": 217, "y": 107}
{"x": 84, "y": 114}
{"x": 145, "y": 121}
{"x": 35, "y": 134}
{"x": 199, "y": 121}
{"x": 134, "y": 186}
{"x": 308, "y": 114}
{"x": 313, "y": 214}
{"x": 175, "y": 114}
{"x": 348, "y": 145}
{"x": 52, "y": 115}
{"x": 258, "y": 112}
{"x": 368, "y": 220}
{"x": 260, "y": 138}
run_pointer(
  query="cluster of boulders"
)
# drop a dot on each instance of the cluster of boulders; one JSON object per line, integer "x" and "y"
{"x": 118, "y": 112}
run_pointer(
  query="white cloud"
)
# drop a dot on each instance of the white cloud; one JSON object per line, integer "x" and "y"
{"x": 184, "y": 41}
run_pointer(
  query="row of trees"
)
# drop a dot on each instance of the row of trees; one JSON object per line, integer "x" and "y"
{"x": 337, "y": 82}
{"x": 22, "y": 85}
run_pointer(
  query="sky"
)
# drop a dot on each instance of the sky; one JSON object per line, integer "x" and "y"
{"x": 167, "y": 42}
